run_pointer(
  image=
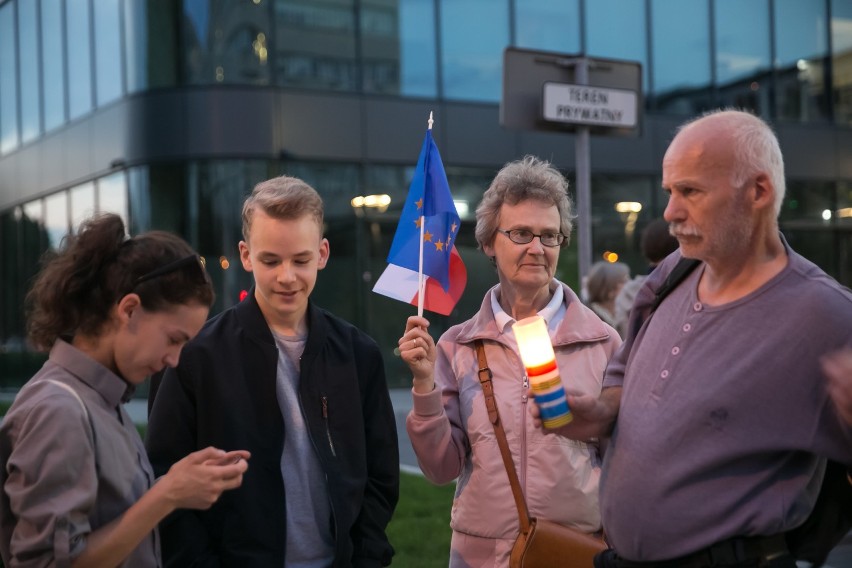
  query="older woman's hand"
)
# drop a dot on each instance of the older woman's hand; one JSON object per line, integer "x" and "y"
{"x": 418, "y": 351}
{"x": 837, "y": 367}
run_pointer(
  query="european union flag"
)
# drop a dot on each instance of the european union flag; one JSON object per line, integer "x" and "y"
{"x": 430, "y": 202}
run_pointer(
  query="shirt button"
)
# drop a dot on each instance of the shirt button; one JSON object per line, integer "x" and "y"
{"x": 664, "y": 374}
{"x": 687, "y": 327}
{"x": 697, "y": 307}
{"x": 675, "y": 350}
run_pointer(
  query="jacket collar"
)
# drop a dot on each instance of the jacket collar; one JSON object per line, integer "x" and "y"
{"x": 251, "y": 320}
{"x": 580, "y": 324}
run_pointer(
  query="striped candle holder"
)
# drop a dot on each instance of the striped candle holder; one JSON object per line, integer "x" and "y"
{"x": 540, "y": 363}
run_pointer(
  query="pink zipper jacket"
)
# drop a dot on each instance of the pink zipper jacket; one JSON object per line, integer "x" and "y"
{"x": 453, "y": 438}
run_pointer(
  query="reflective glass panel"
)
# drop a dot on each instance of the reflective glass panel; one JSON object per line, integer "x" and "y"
{"x": 743, "y": 68}
{"x": 112, "y": 195}
{"x": 226, "y": 41}
{"x": 79, "y": 58}
{"x": 56, "y": 218}
{"x": 82, "y": 202}
{"x": 418, "y": 74}
{"x": 841, "y": 59}
{"x": 52, "y": 63}
{"x": 107, "y": 50}
{"x": 28, "y": 54}
{"x": 136, "y": 44}
{"x": 8, "y": 80}
{"x": 472, "y": 56}
{"x": 381, "y": 46}
{"x": 551, "y": 25}
{"x": 315, "y": 45}
{"x": 680, "y": 56}
{"x": 618, "y": 30}
{"x": 801, "y": 43}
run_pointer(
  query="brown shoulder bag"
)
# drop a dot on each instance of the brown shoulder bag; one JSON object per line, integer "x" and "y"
{"x": 540, "y": 543}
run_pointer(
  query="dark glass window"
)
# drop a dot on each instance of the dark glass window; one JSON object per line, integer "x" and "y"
{"x": 472, "y": 56}
{"x": 107, "y": 51}
{"x": 743, "y": 67}
{"x": 552, "y": 25}
{"x": 315, "y": 44}
{"x": 380, "y": 47}
{"x": 8, "y": 80}
{"x": 418, "y": 66}
{"x": 52, "y": 63}
{"x": 801, "y": 48}
{"x": 136, "y": 44}
{"x": 680, "y": 55}
{"x": 226, "y": 42}
{"x": 618, "y": 30}
{"x": 806, "y": 220}
{"x": 841, "y": 59}
{"x": 621, "y": 206}
{"x": 28, "y": 54}
{"x": 78, "y": 48}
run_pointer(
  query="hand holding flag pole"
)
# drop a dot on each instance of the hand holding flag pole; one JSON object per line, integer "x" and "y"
{"x": 424, "y": 265}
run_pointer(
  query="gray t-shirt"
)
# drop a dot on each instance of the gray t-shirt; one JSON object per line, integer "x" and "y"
{"x": 310, "y": 543}
{"x": 723, "y": 414}
{"x": 67, "y": 470}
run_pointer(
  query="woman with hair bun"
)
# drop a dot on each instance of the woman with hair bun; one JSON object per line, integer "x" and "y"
{"x": 77, "y": 486}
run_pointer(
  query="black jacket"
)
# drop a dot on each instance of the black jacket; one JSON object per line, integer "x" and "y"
{"x": 223, "y": 394}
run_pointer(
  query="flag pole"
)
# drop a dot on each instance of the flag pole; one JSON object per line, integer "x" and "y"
{"x": 420, "y": 284}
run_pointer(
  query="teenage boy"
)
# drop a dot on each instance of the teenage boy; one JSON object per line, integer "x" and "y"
{"x": 298, "y": 387}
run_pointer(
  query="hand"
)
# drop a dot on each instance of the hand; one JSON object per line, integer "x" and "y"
{"x": 837, "y": 367}
{"x": 418, "y": 351}
{"x": 197, "y": 481}
{"x": 594, "y": 417}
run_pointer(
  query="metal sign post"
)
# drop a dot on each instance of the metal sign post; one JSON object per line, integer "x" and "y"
{"x": 582, "y": 157}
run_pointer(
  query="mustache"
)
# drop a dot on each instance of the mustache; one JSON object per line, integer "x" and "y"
{"x": 681, "y": 230}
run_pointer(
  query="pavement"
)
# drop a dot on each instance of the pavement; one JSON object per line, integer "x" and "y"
{"x": 841, "y": 556}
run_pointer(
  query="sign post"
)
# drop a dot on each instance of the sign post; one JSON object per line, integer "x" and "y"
{"x": 551, "y": 91}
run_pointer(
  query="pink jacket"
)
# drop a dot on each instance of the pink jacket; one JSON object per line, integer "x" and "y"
{"x": 453, "y": 438}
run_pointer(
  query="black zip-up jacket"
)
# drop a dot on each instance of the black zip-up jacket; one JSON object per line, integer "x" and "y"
{"x": 222, "y": 394}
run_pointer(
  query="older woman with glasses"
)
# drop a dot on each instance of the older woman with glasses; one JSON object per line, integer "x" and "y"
{"x": 77, "y": 486}
{"x": 522, "y": 224}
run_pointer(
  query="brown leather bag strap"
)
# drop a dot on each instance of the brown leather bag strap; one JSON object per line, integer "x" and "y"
{"x": 494, "y": 416}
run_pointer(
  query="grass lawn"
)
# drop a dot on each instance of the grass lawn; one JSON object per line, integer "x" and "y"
{"x": 420, "y": 528}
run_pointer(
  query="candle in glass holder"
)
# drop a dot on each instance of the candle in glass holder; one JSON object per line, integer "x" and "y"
{"x": 540, "y": 363}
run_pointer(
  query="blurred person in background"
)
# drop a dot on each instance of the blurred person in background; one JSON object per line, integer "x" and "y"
{"x": 603, "y": 283}
{"x": 656, "y": 243}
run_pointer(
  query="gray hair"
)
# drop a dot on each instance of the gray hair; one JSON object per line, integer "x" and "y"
{"x": 755, "y": 148}
{"x": 604, "y": 277}
{"x": 528, "y": 179}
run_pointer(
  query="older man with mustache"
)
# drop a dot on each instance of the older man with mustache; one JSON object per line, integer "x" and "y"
{"x": 722, "y": 418}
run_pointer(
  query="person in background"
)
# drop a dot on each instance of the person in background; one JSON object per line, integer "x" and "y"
{"x": 522, "y": 223}
{"x": 300, "y": 388}
{"x": 603, "y": 283}
{"x": 656, "y": 243}
{"x": 77, "y": 485}
{"x": 723, "y": 420}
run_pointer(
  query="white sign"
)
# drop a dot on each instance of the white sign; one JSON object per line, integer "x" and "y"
{"x": 585, "y": 104}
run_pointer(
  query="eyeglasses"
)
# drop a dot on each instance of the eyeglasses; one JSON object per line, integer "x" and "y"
{"x": 187, "y": 262}
{"x": 523, "y": 236}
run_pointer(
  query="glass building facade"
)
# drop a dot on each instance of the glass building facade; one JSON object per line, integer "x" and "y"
{"x": 168, "y": 112}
